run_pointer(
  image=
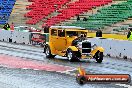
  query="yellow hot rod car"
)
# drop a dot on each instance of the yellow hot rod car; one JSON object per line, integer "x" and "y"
{"x": 71, "y": 42}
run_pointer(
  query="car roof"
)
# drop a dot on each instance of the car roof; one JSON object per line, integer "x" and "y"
{"x": 67, "y": 27}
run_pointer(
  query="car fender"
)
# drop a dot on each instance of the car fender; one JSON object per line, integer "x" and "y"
{"x": 73, "y": 48}
{"x": 101, "y": 49}
{"x": 93, "y": 52}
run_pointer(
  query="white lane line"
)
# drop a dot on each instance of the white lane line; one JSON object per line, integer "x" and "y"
{"x": 71, "y": 70}
{"x": 36, "y": 69}
{"x": 124, "y": 85}
{"x": 25, "y": 68}
{"x": 68, "y": 72}
{"x": 71, "y": 74}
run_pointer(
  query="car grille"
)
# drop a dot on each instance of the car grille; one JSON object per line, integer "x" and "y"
{"x": 86, "y": 47}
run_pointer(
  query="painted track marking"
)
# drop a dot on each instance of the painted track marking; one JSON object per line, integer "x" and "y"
{"x": 16, "y": 62}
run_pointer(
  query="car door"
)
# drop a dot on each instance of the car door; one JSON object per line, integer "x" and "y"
{"x": 61, "y": 40}
{"x": 53, "y": 38}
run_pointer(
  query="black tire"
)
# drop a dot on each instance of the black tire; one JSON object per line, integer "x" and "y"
{"x": 81, "y": 80}
{"x": 99, "y": 56}
{"x": 71, "y": 56}
{"x": 48, "y": 52}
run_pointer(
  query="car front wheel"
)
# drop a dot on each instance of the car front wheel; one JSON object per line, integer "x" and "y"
{"x": 99, "y": 57}
{"x": 71, "y": 56}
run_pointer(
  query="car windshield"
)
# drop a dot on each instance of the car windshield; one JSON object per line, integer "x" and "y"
{"x": 72, "y": 33}
{"x": 75, "y": 33}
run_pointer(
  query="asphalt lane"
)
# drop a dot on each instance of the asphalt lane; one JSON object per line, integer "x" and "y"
{"x": 20, "y": 78}
{"x": 57, "y": 80}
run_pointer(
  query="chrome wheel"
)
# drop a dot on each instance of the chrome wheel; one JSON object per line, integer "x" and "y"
{"x": 69, "y": 55}
{"x": 98, "y": 56}
{"x": 47, "y": 52}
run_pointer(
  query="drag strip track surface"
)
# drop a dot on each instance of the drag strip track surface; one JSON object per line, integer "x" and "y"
{"x": 21, "y": 50}
{"x": 18, "y": 78}
{"x": 32, "y": 53}
{"x": 24, "y": 51}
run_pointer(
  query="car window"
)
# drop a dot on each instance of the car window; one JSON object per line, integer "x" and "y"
{"x": 61, "y": 33}
{"x": 54, "y": 32}
{"x": 72, "y": 33}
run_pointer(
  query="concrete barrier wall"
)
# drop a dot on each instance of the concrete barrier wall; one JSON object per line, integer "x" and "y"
{"x": 115, "y": 48}
{"x": 5, "y": 35}
{"x": 15, "y": 36}
{"x": 21, "y": 37}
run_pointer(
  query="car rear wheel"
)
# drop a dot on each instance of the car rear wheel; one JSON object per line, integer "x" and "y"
{"x": 99, "y": 57}
{"x": 48, "y": 52}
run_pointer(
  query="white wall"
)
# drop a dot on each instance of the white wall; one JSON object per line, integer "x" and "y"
{"x": 5, "y": 35}
{"x": 16, "y": 36}
{"x": 21, "y": 37}
{"x": 116, "y": 48}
